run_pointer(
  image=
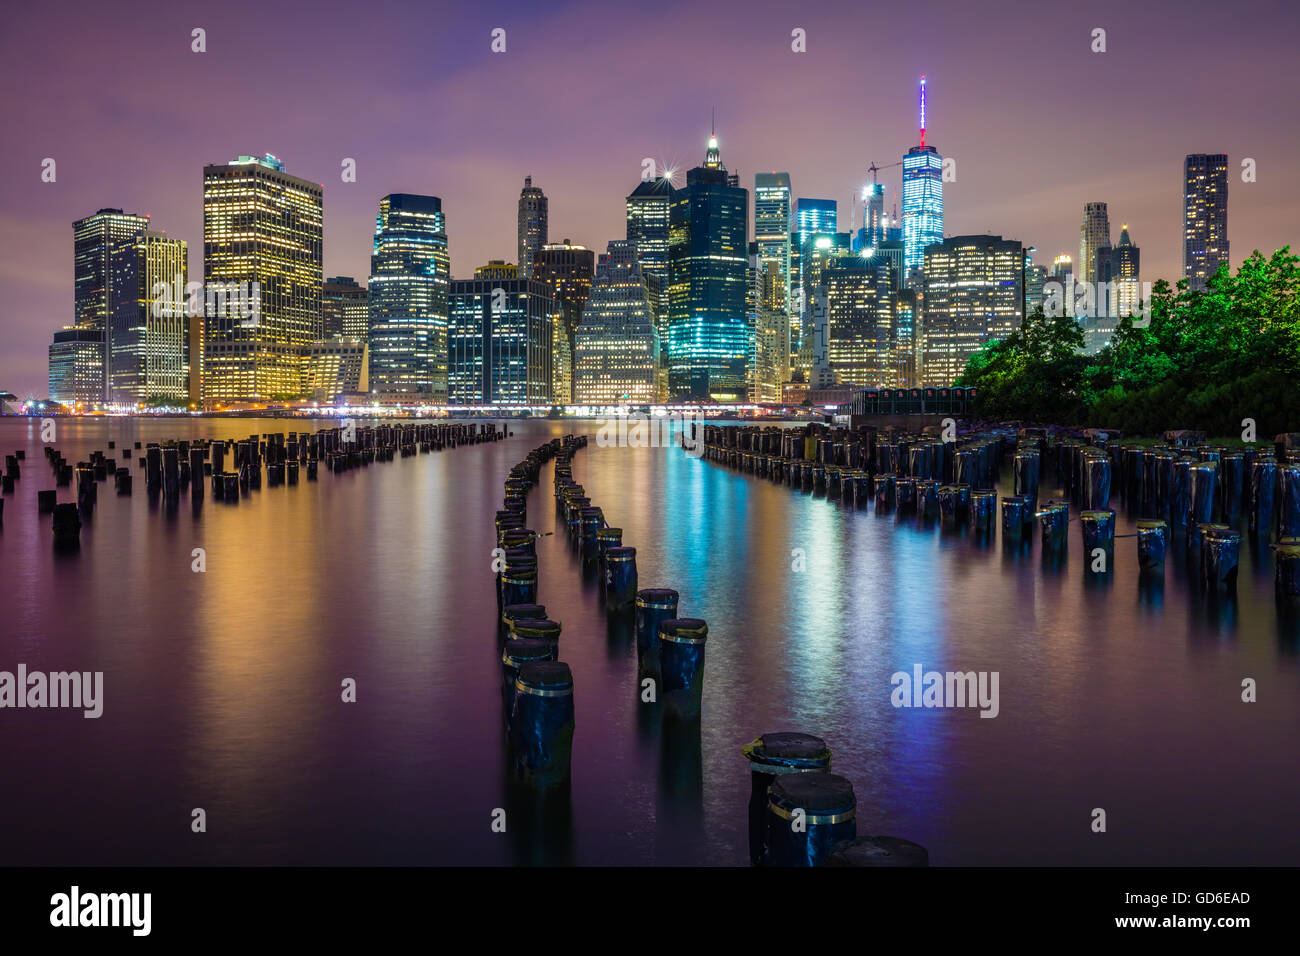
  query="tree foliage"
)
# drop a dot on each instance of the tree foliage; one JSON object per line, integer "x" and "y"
{"x": 1206, "y": 360}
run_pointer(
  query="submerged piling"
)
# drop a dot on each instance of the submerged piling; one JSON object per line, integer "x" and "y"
{"x": 809, "y": 814}
{"x": 541, "y": 722}
{"x": 771, "y": 756}
{"x": 681, "y": 662}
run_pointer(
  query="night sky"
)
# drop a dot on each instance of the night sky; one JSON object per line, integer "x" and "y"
{"x": 1037, "y": 122}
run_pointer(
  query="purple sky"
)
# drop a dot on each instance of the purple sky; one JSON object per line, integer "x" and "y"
{"x": 1037, "y": 123}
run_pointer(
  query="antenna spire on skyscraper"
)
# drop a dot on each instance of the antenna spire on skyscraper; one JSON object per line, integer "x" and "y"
{"x": 923, "y": 111}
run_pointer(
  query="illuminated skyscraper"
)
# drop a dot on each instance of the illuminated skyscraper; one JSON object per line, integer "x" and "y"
{"x": 1205, "y": 216}
{"x": 616, "y": 353}
{"x": 647, "y": 230}
{"x": 974, "y": 294}
{"x": 811, "y": 217}
{"x": 1118, "y": 293}
{"x": 345, "y": 309}
{"x": 500, "y": 347}
{"x": 77, "y": 367}
{"x": 97, "y": 280}
{"x": 410, "y": 271}
{"x": 566, "y": 269}
{"x": 533, "y": 217}
{"x": 709, "y": 336}
{"x": 1094, "y": 234}
{"x": 1035, "y": 276}
{"x": 262, "y": 249}
{"x": 151, "y": 329}
{"x": 772, "y": 241}
{"x": 874, "y": 221}
{"x": 870, "y": 330}
{"x": 922, "y": 202}
{"x": 814, "y": 216}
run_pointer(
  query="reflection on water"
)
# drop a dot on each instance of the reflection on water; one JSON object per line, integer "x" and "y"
{"x": 222, "y": 688}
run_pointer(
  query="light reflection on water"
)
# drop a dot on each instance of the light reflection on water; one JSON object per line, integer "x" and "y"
{"x": 222, "y": 688}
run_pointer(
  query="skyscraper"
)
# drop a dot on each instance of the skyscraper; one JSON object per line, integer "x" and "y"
{"x": 262, "y": 241}
{"x": 410, "y": 271}
{"x": 532, "y": 225}
{"x": 974, "y": 294}
{"x": 814, "y": 215}
{"x": 616, "y": 351}
{"x": 500, "y": 348}
{"x": 1094, "y": 234}
{"x": 922, "y": 202}
{"x": 772, "y": 239}
{"x": 76, "y": 374}
{"x": 870, "y": 318}
{"x": 708, "y": 332}
{"x": 567, "y": 270}
{"x": 1035, "y": 277}
{"x": 874, "y": 221}
{"x": 97, "y": 242}
{"x": 151, "y": 330}
{"x": 1205, "y": 216}
{"x": 1118, "y": 292}
{"x": 647, "y": 230}
{"x": 345, "y": 309}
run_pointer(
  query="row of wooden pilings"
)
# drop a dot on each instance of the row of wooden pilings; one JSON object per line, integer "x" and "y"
{"x": 800, "y": 814}
{"x": 537, "y": 687}
{"x": 235, "y": 467}
{"x": 1206, "y": 495}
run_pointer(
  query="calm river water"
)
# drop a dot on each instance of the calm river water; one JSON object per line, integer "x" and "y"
{"x": 222, "y": 688}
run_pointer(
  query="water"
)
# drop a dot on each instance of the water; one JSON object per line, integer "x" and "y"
{"x": 222, "y": 688}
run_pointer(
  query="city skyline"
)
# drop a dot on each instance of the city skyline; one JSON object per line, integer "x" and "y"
{"x": 140, "y": 146}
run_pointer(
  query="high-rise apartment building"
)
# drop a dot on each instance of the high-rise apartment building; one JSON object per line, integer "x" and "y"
{"x": 1094, "y": 234}
{"x": 1205, "y": 216}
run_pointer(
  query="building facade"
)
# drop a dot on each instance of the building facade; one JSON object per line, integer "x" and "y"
{"x": 1094, "y": 234}
{"x": 98, "y": 281}
{"x": 709, "y": 335}
{"x": 1205, "y": 216}
{"x": 77, "y": 367}
{"x": 151, "y": 327}
{"x": 407, "y": 304}
{"x": 345, "y": 311}
{"x": 616, "y": 346}
{"x": 500, "y": 339}
{"x": 567, "y": 271}
{"x": 974, "y": 294}
{"x": 262, "y": 241}
{"x": 647, "y": 230}
{"x": 533, "y": 225}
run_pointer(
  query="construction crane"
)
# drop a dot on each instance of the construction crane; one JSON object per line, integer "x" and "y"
{"x": 873, "y": 169}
